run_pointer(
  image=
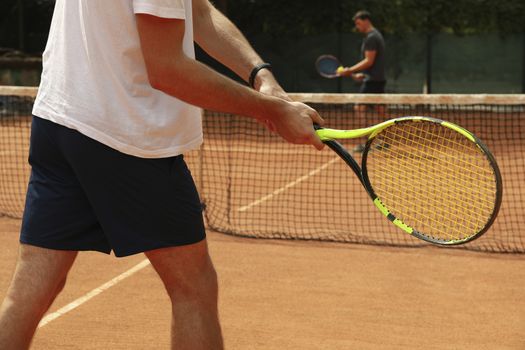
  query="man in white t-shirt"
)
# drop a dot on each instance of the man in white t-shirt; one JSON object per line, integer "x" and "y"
{"x": 118, "y": 105}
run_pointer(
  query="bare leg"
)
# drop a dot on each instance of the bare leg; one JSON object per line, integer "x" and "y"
{"x": 40, "y": 275}
{"x": 191, "y": 282}
{"x": 380, "y": 110}
{"x": 360, "y": 109}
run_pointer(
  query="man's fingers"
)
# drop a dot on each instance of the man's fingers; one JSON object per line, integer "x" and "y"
{"x": 316, "y": 118}
{"x": 314, "y": 139}
{"x": 316, "y": 142}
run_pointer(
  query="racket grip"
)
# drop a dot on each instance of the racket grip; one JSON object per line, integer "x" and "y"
{"x": 317, "y": 126}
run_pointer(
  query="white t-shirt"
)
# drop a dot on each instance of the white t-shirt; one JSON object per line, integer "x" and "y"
{"x": 94, "y": 78}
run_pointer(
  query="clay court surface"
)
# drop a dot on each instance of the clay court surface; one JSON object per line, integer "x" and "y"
{"x": 282, "y": 294}
{"x": 300, "y": 295}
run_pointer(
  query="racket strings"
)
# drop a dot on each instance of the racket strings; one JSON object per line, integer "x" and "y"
{"x": 444, "y": 172}
{"x": 446, "y": 196}
{"x": 459, "y": 148}
{"x": 441, "y": 178}
{"x": 470, "y": 175}
{"x": 457, "y": 210}
{"x": 432, "y": 178}
{"x": 428, "y": 216}
{"x": 448, "y": 180}
{"x": 429, "y": 219}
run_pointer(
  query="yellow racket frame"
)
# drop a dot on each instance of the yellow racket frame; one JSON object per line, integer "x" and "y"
{"x": 328, "y": 136}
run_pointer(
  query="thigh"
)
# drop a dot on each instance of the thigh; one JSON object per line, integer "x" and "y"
{"x": 184, "y": 268}
{"x": 39, "y": 272}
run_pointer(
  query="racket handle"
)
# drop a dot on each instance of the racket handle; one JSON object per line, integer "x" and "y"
{"x": 317, "y": 126}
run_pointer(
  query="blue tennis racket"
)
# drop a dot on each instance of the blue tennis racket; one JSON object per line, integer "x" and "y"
{"x": 327, "y": 66}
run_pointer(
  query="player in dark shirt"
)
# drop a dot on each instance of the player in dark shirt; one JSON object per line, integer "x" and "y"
{"x": 371, "y": 69}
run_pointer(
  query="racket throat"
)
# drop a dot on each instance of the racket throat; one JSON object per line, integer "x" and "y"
{"x": 337, "y": 148}
{"x": 399, "y": 223}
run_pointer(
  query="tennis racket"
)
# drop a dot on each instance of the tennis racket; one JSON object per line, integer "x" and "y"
{"x": 327, "y": 66}
{"x": 431, "y": 178}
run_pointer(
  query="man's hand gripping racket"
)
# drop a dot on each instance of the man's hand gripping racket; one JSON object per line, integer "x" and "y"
{"x": 431, "y": 178}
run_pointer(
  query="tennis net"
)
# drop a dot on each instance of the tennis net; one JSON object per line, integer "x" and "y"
{"x": 254, "y": 184}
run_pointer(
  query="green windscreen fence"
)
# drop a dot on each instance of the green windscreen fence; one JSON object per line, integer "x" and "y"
{"x": 456, "y": 64}
{"x": 415, "y": 63}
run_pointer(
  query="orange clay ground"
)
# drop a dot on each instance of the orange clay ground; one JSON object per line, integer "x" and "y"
{"x": 300, "y": 295}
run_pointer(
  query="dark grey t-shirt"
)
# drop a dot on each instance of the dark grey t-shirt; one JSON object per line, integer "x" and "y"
{"x": 374, "y": 41}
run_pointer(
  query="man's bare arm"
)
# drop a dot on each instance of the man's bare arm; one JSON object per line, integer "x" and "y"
{"x": 221, "y": 39}
{"x": 367, "y": 62}
{"x": 171, "y": 71}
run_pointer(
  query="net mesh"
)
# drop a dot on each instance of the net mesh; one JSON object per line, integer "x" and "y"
{"x": 254, "y": 184}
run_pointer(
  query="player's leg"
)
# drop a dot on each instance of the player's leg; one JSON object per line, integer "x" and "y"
{"x": 380, "y": 89}
{"x": 151, "y": 205}
{"x": 371, "y": 87}
{"x": 39, "y": 277}
{"x": 58, "y": 221}
{"x": 360, "y": 109}
{"x": 191, "y": 282}
{"x": 380, "y": 110}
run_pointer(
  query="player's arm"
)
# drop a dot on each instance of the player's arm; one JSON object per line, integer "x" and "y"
{"x": 365, "y": 63}
{"x": 222, "y": 40}
{"x": 171, "y": 71}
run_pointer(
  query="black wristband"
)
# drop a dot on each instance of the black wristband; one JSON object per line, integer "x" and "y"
{"x": 256, "y": 70}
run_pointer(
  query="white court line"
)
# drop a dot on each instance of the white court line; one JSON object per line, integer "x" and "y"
{"x": 74, "y": 304}
{"x": 287, "y": 186}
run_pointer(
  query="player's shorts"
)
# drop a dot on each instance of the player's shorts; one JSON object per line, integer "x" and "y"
{"x": 372, "y": 87}
{"x": 83, "y": 195}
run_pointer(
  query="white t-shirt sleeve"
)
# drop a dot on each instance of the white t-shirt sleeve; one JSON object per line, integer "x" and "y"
{"x": 160, "y": 8}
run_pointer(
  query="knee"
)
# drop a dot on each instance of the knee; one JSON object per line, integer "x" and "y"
{"x": 201, "y": 285}
{"x": 41, "y": 298}
{"x": 59, "y": 288}
{"x": 187, "y": 272}
{"x": 360, "y": 108}
{"x": 52, "y": 296}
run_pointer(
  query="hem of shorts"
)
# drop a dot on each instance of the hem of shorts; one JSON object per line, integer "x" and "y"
{"x": 52, "y": 246}
{"x": 117, "y": 145}
{"x": 122, "y": 253}
{"x": 119, "y": 253}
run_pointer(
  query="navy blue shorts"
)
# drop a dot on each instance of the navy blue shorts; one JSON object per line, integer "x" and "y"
{"x": 83, "y": 195}
{"x": 372, "y": 87}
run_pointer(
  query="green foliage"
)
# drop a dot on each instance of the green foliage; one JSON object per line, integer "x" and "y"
{"x": 297, "y": 17}
{"x": 32, "y": 30}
